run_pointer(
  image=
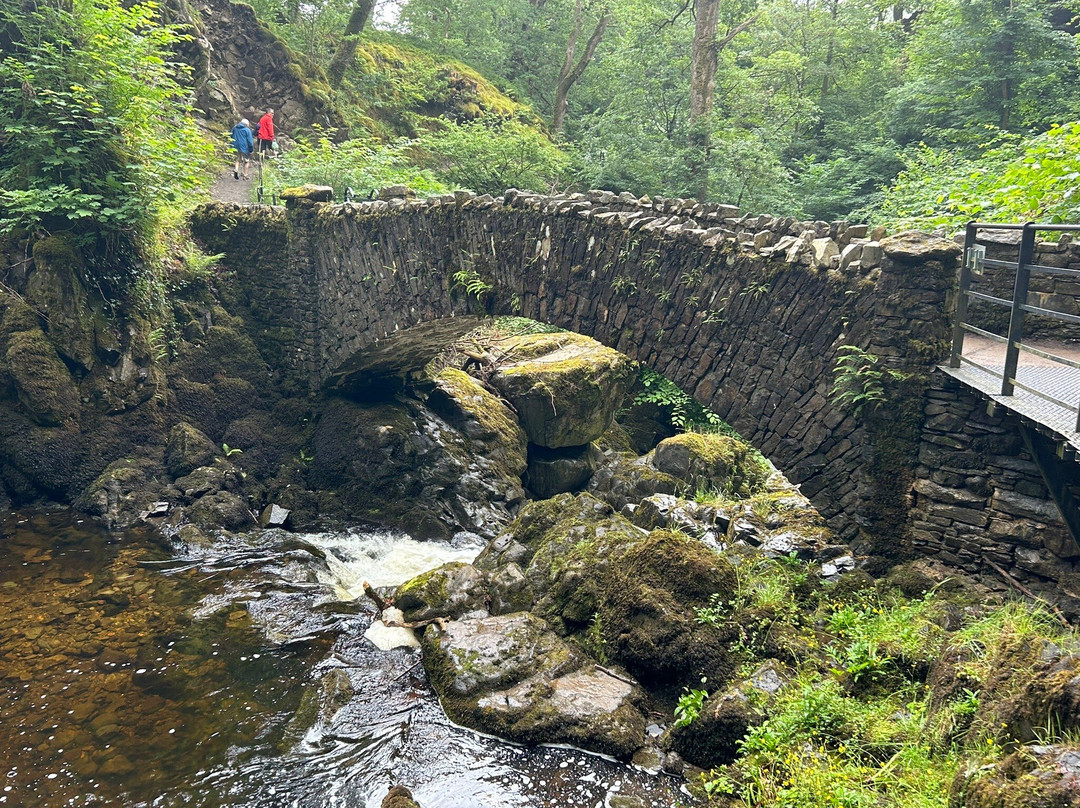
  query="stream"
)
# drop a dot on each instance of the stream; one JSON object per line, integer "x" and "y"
{"x": 138, "y": 673}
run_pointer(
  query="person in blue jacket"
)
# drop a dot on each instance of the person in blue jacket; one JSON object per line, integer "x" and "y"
{"x": 244, "y": 145}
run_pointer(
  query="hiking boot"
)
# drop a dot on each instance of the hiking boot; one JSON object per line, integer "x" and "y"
{"x": 235, "y": 175}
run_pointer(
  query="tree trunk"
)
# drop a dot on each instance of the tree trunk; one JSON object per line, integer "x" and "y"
{"x": 703, "y": 66}
{"x": 703, "y": 63}
{"x": 571, "y": 72}
{"x": 347, "y": 49}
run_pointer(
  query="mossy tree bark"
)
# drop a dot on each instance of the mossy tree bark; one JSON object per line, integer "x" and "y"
{"x": 361, "y": 13}
{"x": 703, "y": 65}
{"x": 571, "y": 72}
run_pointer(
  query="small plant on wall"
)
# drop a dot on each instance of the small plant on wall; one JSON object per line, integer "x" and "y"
{"x": 858, "y": 381}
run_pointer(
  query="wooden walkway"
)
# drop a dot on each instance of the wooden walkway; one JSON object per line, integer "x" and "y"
{"x": 1050, "y": 378}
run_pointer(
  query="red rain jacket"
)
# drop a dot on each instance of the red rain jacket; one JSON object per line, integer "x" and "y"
{"x": 266, "y": 127}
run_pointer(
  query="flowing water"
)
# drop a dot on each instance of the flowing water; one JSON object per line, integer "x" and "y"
{"x": 139, "y": 674}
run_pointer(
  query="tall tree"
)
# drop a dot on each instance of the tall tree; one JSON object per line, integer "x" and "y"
{"x": 704, "y": 60}
{"x": 571, "y": 72}
{"x": 346, "y": 51}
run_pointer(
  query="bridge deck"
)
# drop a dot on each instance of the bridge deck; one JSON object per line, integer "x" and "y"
{"x": 1053, "y": 379}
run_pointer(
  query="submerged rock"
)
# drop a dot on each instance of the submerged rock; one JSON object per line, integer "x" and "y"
{"x": 512, "y": 676}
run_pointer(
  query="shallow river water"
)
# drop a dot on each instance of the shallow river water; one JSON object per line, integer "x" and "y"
{"x": 134, "y": 673}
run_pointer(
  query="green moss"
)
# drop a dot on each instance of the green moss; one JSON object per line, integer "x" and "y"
{"x": 43, "y": 383}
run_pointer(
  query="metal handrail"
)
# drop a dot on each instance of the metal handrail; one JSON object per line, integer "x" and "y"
{"x": 974, "y": 261}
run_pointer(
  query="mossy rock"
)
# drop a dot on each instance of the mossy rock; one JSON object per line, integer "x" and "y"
{"x": 122, "y": 492}
{"x": 712, "y": 462}
{"x": 482, "y": 417}
{"x": 1034, "y": 777}
{"x": 221, "y": 510}
{"x": 42, "y": 381}
{"x": 647, "y": 613}
{"x": 187, "y": 449}
{"x": 625, "y": 480}
{"x": 223, "y": 352}
{"x": 448, "y": 591}
{"x": 399, "y": 797}
{"x": 565, "y": 387}
{"x": 55, "y": 288}
{"x": 511, "y": 676}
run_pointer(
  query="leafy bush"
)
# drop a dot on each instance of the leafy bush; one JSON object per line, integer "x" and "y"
{"x": 491, "y": 157}
{"x": 1011, "y": 178}
{"x": 362, "y": 165}
{"x": 93, "y": 127}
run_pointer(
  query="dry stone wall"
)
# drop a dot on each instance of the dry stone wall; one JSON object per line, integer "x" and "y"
{"x": 749, "y": 314}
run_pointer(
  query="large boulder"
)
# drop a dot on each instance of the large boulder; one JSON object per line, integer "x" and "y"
{"x": 402, "y": 464}
{"x": 452, "y": 590}
{"x": 42, "y": 381}
{"x": 626, "y": 481}
{"x": 558, "y": 471}
{"x": 187, "y": 449}
{"x": 712, "y": 462}
{"x": 123, "y": 492}
{"x": 565, "y": 387}
{"x": 510, "y": 675}
{"x": 622, "y": 593}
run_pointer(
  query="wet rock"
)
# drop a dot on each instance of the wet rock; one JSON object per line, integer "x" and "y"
{"x": 187, "y": 449}
{"x": 510, "y": 675}
{"x": 666, "y": 511}
{"x": 319, "y": 703}
{"x": 402, "y": 464}
{"x": 223, "y": 476}
{"x": 450, "y": 591}
{"x": 557, "y": 471}
{"x": 626, "y": 481}
{"x": 123, "y": 492}
{"x": 565, "y": 387}
{"x": 221, "y": 510}
{"x": 274, "y": 516}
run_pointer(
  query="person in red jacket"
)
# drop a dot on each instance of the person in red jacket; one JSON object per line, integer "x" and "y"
{"x": 266, "y": 132}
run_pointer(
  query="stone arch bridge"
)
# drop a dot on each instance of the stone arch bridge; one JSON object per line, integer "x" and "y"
{"x": 747, "y": 313}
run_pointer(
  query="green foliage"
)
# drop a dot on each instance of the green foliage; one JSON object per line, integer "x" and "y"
{"x": 858, "y": 381}
{"x": 94, "y": 131}
{"x": 1012, "y": 178}
{"x": 689, "y": 706}
{"x": 363, "y": 165}
{"x": 230, "y": 450}
{"x": 472, "y": 282}
{"x": 681, "y": 409}
{"x": 489, "y": 157}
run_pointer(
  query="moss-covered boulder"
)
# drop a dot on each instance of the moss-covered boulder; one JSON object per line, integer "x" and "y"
{"x": 451, "y": 590}
{"x": 481, "y": 417}
{"x": 187, "y": 449}
{"x": 399, "y": 797}
{"x": 622, "y": 593}
{"x": 712, "y": 738}
{"x": 712, "y": 462}
{"x": 512, "y": 676}
{"x": 647, "y": 610}
{"x": 565, "y": 387}
{"x": 1034, "y": 777}
{"x": 123, "y": 492}
{"x": 42, "y": 381}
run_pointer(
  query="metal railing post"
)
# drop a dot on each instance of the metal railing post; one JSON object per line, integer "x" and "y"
{"x": 1016, "y": 320}
{"x": 962, "y": 297}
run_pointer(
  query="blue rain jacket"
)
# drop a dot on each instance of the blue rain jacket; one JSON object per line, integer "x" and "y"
{"x": 241, "y": 138}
